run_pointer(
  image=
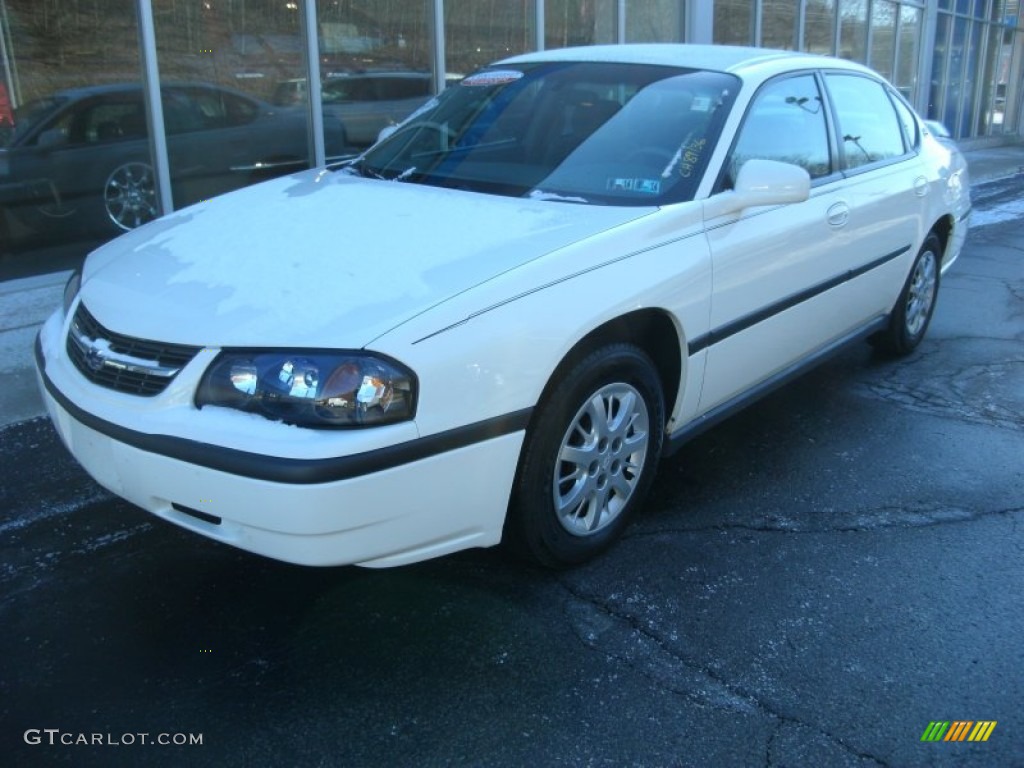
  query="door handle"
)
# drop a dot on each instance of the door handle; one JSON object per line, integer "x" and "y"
{"x": 838, "y": 215}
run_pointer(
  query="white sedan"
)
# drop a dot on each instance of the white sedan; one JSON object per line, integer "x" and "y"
{"x": 495, "y": 322}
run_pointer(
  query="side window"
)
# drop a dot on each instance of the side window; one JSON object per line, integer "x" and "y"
{"x": 180, "y": 114}
{"x": 907, "y": 118}
{"x": 786, "y": 122}
{"x": 240, "y": 111}
{"x": 868, "y": 125}
{"x": 343, "y": 91}
{"x": 59, "y": 132}
{"x": 211, "y": 107}
{"x": 393, "y": 88}
{"x": 112, "y": 121}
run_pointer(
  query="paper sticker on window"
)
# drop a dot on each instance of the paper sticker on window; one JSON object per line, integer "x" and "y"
{"x": 497, "y": 77}
{"x": 689, "y": 157}
{"x": 640, "y": 186}
{"x": 700, "y": 104}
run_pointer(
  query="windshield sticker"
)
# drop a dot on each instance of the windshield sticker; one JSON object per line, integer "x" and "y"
{"x": 691, "y": 156}
{"x": 497, "y": 77}
{"x": 640, "y": 186}
{"x": 700, "y": 104}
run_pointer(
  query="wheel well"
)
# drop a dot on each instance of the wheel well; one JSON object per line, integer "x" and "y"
{"x": 650, "y": 329}
{"x": 942, "y": 228}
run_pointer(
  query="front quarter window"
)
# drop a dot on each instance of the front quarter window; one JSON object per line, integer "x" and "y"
{"x": 580, "y": 132}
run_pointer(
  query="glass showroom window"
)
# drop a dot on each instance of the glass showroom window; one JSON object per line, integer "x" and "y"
{"x": 654, "y": 21}
{"x": 232, "y": 76}
{"x": 883, "y": 36}
{"x": 478, "y": 32}
{"x": 579, "y": 22}
{"x": 908, "y": 52}
{"x": 62, "y": 92}
{"x": 778, "y": 24}
{"x": 853, "y": 30}
{"x": 1002, "y": 67}
{"x": 376, "y": 67}
{"x": 734, "y": 22}
{"x": 820, "y": 27}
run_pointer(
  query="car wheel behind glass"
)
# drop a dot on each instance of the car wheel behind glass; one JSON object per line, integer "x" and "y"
{"x": 129, "y": 195}
{"x": 589, "y": 458}
{"x": 909, "y": 320}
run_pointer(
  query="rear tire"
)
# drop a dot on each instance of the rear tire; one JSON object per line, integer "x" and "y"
{"x": 909, "y": 320}
{"x": 589, "y": 458}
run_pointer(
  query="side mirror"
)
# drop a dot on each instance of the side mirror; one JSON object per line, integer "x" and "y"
{"x": 762, "y": 182}
{"x": 52, "y": 137}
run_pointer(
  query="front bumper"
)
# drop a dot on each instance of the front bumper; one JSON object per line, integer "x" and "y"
{"x": 429, "y": 503}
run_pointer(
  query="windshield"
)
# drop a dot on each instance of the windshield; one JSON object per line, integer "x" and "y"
{"x": 614, "y": 134}
{"x": 25, "y": 119}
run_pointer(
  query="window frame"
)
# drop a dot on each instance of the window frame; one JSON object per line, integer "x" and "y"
{"x": 886, "y": 89}
{"x": 723, "y": 183}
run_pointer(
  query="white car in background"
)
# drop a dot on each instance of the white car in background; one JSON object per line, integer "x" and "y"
{"x": 493, "y": 323}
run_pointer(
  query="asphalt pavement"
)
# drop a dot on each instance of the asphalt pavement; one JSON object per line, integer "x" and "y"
{"x": 814, "y": 582}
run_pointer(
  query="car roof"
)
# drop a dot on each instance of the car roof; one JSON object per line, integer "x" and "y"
{"x": 738, "y": 60}
{"x": 85, "y": 91}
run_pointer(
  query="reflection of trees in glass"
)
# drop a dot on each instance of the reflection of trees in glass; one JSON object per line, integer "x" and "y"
{"x": 734, "y": 22}
{"x": 568, "y": 22}
{"x": 65, "y": 43}
{"x": 478, "y": 32}
{"x": 778, "y": 24}
{"x": 883, "y": 36}
{"x": 907, "y": 52}
{"x": 819, "y": 26}
{"x": 853, "y": 29}
{"x": 654, "y": 21}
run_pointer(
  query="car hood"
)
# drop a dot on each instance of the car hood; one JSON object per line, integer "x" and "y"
{"x": 320, "y": 259}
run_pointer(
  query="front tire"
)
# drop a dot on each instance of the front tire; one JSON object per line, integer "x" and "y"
{"x": 909, "y": 320}
{"x": 589, "y": 458}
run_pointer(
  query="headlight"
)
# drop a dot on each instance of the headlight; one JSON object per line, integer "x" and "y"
{"x": 311, "y": 388}
{"x": 71, "y": 290}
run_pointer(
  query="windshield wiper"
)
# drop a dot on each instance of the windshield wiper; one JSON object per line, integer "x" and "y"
{"x": 554, "y": 197}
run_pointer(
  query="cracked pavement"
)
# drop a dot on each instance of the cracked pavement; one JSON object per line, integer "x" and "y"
{"x": 811, "y": 583}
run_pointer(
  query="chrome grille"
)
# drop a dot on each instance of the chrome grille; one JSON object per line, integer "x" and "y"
{"x": 123, "y": 363}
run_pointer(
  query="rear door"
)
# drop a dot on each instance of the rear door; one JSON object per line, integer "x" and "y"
{"x": 791, "y": 280}
{"x": 885, "y": 187}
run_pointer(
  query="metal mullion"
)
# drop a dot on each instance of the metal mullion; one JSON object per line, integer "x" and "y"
{"x": 440, "y": 65}
{"x": 925, "y": 55}
{"x": 837, "y": 28}
{"x": 897, "y": 29}
{"x": 154, "y": 106}
{"x": 538, "y": 12}
{"x": 962, "y": 74}
{"x": 979, "y": 80}
{"x": 870, "y": 41}
{"x": 801, "y": 22}
{"x": 315, "y": 100}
